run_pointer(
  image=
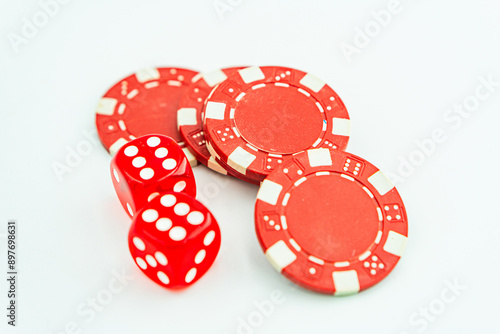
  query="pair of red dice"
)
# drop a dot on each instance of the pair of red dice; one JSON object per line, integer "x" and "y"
{"x": 174, "y": 239}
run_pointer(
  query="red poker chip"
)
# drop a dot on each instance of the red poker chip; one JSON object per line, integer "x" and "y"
{"x": 330, "y": 221}
{"x": 228, "y": 170}
{"x": 260, "y": 115}
{"x": 190, "y": 114}
{"x": 235, "y": 174}
{"x": 140, "y": 104}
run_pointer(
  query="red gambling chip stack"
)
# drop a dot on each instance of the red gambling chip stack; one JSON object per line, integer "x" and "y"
{"x": 326, "y": 219}
{"x": 190, "y": 115}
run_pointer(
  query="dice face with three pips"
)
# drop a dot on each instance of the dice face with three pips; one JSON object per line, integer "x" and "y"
{"x": 148, "y": 166}
{"x": 174, "y": 240}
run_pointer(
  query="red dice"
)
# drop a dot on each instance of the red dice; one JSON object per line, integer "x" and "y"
{"x": 174, "y": 240}
{"x": 148, "y": 166}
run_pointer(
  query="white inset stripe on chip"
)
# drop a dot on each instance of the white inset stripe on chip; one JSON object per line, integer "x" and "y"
{"x": 191, "y": 158}
{"x": 341, "y": 126}
{"x": 306, "y": 93}
{"x": 240, "y": 159}
{"x": 269, "y": 192}
{"x": 319, "y": 157}
{"x": 381, "y": 183}
{"x": 151, "y": 84}
{"x": 299, "y": 181}
{"x": 312, "y": 82}
{"x": 320, "y": 107}
{"x": 236, "y": 132}
{"x": 284, "y": 225}
{"x": 251, "y": 74}
{"x": 214, "y": 165}
{"x": 214, "y": 78}
{"x": 379, "y": 236}
{"x": 174, "y": 83}
{"x": 106, "y": 106}
{"x": 280, "y": 84}
{"x": 316, "y": 260}
{"x": 117, "y": 145}
{"x": 368, "y": 192}
{"x": 121, "y": 108}
{"x": 380, "y": 216}
{"x": 196, "y": 77}
{"x": 364, "y": 255}
{"x": 258, "y": 86}
{"x": 239, "y": 97}
{"x": 186, "y": 116}
{"x": 215, "y": 110}
{"x": 395, "y": 243}
{"x": 342, "y": 264}
{"x": 132, "y": 94}
{"x": 322, "y": 173}
{"x": 231, "y": 113}
{"x": 285, "y": 199}
{"x": 280, "y": 256}
{"x": 347, "y": 177}
{"x": 147, "y": 74}
{"x": 295, "y": 245}
{"x": 345, "y": 282}
{"x": 211, "y": 150}
{"x": 252, "y": 147}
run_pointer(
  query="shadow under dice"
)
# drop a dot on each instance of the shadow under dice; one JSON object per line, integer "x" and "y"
{"x": 174, "y": 240}
{"x": 148, "y": 166}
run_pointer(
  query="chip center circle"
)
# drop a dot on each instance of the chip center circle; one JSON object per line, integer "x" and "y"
{"x": 332, "y": 218}
{"x": 278, "y": 120}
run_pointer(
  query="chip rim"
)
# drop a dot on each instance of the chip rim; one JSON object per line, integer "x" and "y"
{"x": 271, "y": 198}
{"x": 255, "y": 76}
{"x": 112, "y": 104}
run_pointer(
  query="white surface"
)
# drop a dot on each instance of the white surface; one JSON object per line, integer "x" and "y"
{"x": 398, "y": 89}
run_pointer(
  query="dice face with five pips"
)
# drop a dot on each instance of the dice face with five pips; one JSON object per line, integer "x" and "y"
{"x": 148, "y": 166}
{"x": 174, "y": 240}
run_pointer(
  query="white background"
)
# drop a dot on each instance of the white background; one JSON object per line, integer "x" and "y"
{"x": 398, "y": 90}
